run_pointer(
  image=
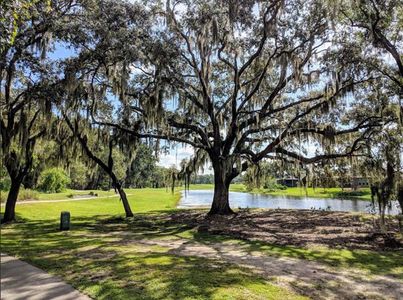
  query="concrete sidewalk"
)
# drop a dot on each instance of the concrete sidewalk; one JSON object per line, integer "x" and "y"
{"x": 20, "y": 280}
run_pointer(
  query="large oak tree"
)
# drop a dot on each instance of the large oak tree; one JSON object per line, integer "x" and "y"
{"x": 245, "y": 82}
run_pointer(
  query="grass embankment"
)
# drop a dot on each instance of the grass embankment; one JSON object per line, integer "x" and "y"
{"x": 362, "y": 194}
{"x": 99, "y": 258}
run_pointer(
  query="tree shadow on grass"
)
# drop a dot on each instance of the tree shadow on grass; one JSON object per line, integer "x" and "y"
{"x": 104, "y": 267}
{"x": 104, "y": 230}
{"x": 162, "y": 225}
{"x": 374, "y": 262}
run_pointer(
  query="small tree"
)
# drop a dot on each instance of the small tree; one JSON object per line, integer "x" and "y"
{"x": 140, "y": 172}
{"x": 83, "y": 135}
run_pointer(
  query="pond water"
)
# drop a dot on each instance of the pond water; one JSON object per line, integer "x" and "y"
{"x": 203, "y": 198}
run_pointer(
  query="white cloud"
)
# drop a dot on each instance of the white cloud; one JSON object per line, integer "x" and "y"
{"x": 176, "y": 155}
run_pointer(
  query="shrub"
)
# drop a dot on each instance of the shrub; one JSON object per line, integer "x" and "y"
{"x": 53, "y": 180}
{"x": 270, "y": 183}
{"x": 5, "y": 183}
{"x": 3, "y": 196}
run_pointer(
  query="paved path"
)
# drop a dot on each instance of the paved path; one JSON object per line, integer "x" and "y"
{"x": 20, "y": 280}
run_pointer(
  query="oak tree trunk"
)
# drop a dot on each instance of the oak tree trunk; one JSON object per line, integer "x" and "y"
{"x": 222, "y": 180}
{"x": 9, "y": 212}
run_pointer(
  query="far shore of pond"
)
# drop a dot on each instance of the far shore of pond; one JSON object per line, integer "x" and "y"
{"x": 297, "y": 192}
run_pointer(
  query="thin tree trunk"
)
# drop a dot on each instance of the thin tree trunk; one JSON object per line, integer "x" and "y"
{"x": 400, "y": 198}
{"x": 220, "y": 205}
{"x": 9, "y": 212}
{"x": 382, "y": 218}
{"x": 125, "y": 202}
{"x": 400, "y": 221}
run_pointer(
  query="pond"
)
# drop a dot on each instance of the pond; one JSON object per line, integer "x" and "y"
{"x": 203, "y": 198}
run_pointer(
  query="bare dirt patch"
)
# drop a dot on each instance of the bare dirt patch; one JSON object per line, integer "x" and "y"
{"x": 297, "y": 228}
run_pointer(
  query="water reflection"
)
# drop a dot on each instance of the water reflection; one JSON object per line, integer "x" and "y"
{"x": 198, "y": 198}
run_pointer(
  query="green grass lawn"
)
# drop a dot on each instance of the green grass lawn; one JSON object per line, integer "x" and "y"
{"x": 141, "y": 200}
{"x": 362, "y": 194}
{"x": 97, "y": 260}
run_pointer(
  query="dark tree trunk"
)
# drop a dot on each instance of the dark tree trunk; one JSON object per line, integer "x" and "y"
{"x": 9, "y": 212}
{"x": 222, "y": 180}
{"x": 123, "y": 197}
{"x": 30, "y": 180}
{"x": 400, "y": 197}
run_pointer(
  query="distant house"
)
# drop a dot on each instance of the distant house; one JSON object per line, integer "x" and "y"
{"x": 290, "y": 182}
{"x": 359, "y": 182}
{"x": 354, "y": 182}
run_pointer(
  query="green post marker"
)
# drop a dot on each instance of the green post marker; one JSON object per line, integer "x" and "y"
{"x": 64, "y": 220}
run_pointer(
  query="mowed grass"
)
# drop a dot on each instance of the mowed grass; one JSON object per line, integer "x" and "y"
{"x": 100, "y": 260}
{"x": 141, "y": 200}
{"x": 159, "y": 226}
{"x": 362, "y": 194}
